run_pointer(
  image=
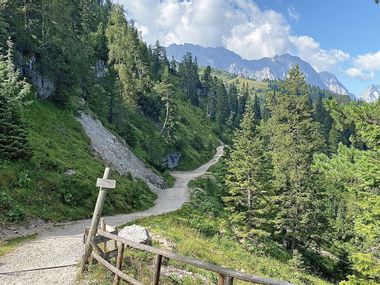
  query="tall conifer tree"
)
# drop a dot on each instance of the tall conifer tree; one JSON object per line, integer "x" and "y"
{"x": 295, "y": 137}
{"x": 248, "y": 178}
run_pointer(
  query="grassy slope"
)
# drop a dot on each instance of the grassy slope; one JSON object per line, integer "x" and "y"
{"x": 199, "y": 230}
{"x": 197, "y": 139}
{"x": 39, "y": 187}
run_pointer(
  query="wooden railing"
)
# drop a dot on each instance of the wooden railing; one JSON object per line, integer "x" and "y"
{"x": 103, "y": 256}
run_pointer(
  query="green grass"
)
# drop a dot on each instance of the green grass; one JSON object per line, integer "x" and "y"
{"x": 39, "y": 188}
{"x": 259, "y": 86}
{"x": 9, "y": 245}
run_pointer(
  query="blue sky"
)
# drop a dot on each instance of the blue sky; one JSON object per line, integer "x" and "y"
{"x": 350, "y": 25}
{"x": 339, "y": 36}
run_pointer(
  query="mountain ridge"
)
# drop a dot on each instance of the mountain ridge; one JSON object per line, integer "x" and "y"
{"x": 371, "y": 94}
{"x": 260, "y": 69}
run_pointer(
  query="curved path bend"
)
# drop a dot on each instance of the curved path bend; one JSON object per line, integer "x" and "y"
{"x": 62, "y": 246}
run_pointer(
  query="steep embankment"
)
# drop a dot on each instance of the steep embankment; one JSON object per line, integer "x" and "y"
{"x": 114, "y": 152}
{"x": 62, "y": 247}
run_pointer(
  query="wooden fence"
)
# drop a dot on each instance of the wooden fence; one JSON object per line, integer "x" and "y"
{"x": 103, "y": 255}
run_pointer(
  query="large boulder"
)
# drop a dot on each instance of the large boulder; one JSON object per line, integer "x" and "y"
{"x": 136, "y": 233}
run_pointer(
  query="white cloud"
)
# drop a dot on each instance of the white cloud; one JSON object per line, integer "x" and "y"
{"x": 354, "y": 72}
{"x": 364, "y": 66}
{"x": 293, "y": 13}
{"x": 239, "y": 25}
{"x": 258, "y": 33}
{"x": 368, "y": 61}
{"x": 308, "y": 49}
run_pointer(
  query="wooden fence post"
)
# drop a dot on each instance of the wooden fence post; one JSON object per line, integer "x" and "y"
{"x": 119, "y": 262}
{"x": 103, "y": 226}
{"x": 95, "y": 220}
{"x": 229, "y": 280}
{"x": 157, "y": 269}
{"x": 221, "y": 280}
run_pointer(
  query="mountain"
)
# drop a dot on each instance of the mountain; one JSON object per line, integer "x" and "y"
{"x": 371, "y": 94}
{"x": 330, "y": 80}
{"x": 261, "y": 69}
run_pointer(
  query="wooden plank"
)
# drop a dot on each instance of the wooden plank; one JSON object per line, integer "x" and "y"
{"x": 95, "y": 222}
{"x": 106, "y": 183}
{"x": 197, "y": 263}
{"x": 112, "y": 268}
{"x": 119, "y": 262}
{"x": 98, "y": 249}
{"x": 101, "y": 239}
{"x": 157, "y": 269}
{"x": 110, "y": 254}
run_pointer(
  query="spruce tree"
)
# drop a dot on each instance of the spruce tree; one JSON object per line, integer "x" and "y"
{"x": 248, "y": 179}
{"x": 295, "y": 137}
{"x": 13, "y": 137}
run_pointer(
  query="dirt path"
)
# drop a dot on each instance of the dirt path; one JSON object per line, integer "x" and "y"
{"x": 62, "y": 246}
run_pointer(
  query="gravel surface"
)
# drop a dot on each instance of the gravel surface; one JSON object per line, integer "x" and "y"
{"x": 62, "y": 245}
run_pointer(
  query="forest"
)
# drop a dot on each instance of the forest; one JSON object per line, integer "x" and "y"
{"x": 301, "y": 170}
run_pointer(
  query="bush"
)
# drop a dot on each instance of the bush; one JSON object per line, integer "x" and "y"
{"x": 197, "y": 143}
{"x": 9, "y": 210}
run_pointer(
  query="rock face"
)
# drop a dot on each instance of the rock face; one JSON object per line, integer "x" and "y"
{"x": 100, "y": 69}
{"x": 136, "y": 233}
{"x": 172, "y": 160}
{"x": 27, "y": 65}
{"x": 334, "y": 85}
{"x": 372, "y": 94}
{"x": 116, "y": 153}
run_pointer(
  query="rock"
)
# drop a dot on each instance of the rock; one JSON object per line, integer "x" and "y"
{"x": 69, "y": 172}
{"x": 27, "y": 64}
{"x": 136, "y": 233}
{"x": 101, "y": 68}
{"x": 172, "y": 159}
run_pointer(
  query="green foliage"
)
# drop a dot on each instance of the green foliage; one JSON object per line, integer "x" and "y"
{"x": 353, "y": 174}
{"x": 248, "y": 178}
{"x": 125, "y": 54}
{"x": 294, "y": 138}
{"x": 13, "y": 137}
{"x": 189, "y": 78}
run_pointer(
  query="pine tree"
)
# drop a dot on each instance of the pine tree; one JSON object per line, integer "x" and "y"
{"x": 248, "y": 179}
{"x": 3, "y": 24}
{"x": 125, "y": 53}
{"x": 189, "y": 78}
{"x": 166, "y": 89}
{"x": 13, "y": 137}
{"x": 295, "y": 137}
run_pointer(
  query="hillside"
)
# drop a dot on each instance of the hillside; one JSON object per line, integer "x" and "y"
{"x": 58, "y": 183}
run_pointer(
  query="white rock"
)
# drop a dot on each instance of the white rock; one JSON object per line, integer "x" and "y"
{"x": 136, "y": 233}
{"x": 69, "y": 172}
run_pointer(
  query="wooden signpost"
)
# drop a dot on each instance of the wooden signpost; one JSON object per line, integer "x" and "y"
{"x": 103, "y": 184}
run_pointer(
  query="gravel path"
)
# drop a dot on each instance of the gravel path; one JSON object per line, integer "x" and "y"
{"x": 60, "y": 246}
